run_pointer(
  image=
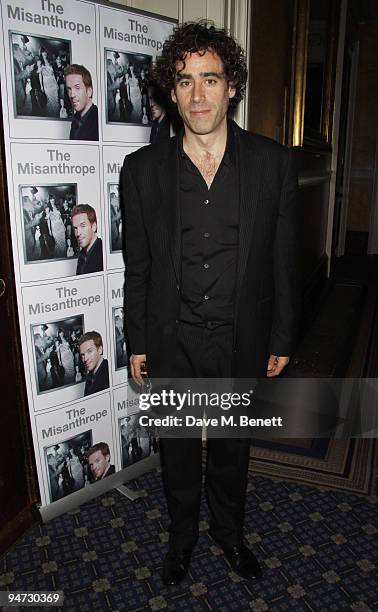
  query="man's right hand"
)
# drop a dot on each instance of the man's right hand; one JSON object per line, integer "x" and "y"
{"x": 136, "y": 365}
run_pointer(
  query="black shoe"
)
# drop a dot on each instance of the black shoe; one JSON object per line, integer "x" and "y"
{"x": 175, "y": 566}
{"x": 242, "y": 561}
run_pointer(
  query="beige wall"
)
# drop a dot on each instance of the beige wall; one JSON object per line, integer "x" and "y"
{"x": 183, "y": 10}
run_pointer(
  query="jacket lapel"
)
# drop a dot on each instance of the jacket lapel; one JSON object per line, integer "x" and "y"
{"x": 169, "y": 187}
{"x": 250, "y": 193}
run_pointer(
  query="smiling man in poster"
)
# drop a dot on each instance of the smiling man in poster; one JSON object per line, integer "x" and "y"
{"x": 79, "y": 88}
{"x": 211, "y": 282}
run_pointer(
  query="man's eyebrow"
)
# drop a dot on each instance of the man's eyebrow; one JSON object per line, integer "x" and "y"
{"x": 183, "y": 75}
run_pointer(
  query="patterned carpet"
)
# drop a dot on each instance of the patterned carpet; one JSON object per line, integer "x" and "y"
{"x": 318, "y": 549}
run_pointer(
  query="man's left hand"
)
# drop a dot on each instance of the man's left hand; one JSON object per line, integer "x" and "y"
{"x": 276, "y": 364}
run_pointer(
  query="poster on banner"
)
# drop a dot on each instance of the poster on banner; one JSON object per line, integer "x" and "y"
{"x": 135, "y": 442}
{"x": 50, "y": 184}
{"x": 67, "y": 341}
{"x": 116, "y": 316}
{"x": 76, "y": 446}
{"x": 112, "y": 165}
{"x": 41, "y": 40}
{"x": 75, "y": 102}
{"x": 129, "y": 45}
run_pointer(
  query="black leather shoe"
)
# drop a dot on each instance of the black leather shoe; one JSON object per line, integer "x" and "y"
{"x": 243, "y": 561}
{"x": 175, "y": 566}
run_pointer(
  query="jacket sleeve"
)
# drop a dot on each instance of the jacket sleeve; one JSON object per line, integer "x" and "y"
{"x": 286, "y": 264}
{"x": 138, "y": 264}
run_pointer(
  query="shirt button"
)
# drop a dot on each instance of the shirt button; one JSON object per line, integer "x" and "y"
{"x": 206, "y": 235}
{"x": 206, "y": 202}
{"x": 206, "y": 266}
{"x": 206, "y": 297}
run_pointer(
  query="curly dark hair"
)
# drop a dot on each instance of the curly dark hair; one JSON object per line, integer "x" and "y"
{"x": 198, "y": 37}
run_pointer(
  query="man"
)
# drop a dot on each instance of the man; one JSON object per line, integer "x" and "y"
{"x": 22, "y": 67}
{"x": 211, "y": 284}
{"x": 84, "y": 224}
{"x": 115, "y": 219}
{"x": 79, "y": 88}
{"x": 98, "y": 457}
{"x": 160, "y": 129}
{"x": 96, "y": 367}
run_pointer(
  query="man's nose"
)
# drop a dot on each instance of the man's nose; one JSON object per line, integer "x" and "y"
{"x": 197, "y": 91}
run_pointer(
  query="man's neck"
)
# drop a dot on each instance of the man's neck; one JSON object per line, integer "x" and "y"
{"x": 88, "y": 248}
{"x": 206, "y": 150}
{"x": 201, "y": 145}
{"x": 105, "y": 472}
{"x": 86, "y": 109}
{"x": 98, "y": 365}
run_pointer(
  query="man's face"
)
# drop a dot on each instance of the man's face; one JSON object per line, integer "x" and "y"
{"x": 201, "y": 92}
{"x": 157, "y": 111}
{"x": 85, "y": 231}
{"x": 90, "y": 355}
{"x": 80, "y": 96}
{"x": 98, "y": 463}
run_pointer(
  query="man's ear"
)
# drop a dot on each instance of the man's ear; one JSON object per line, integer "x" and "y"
{"x": 173, "y": 96}
{"x": 231, "y": 90}
{"x": 90, "y": 92}
{"x": 101, "y": 350}
{"x": 94, "y": 227}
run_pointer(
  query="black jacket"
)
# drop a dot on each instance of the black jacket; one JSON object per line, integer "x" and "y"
{"x": 101, "y": 380}
{"x": 88, "y": 129}
{"x": 94, "y": 259}
{"x": 267, "y": 285}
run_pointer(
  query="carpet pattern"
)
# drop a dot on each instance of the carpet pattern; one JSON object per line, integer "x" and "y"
{"x": 318, "y": 550}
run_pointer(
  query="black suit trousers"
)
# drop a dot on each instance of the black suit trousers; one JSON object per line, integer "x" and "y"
{"x": 205, "y": 353}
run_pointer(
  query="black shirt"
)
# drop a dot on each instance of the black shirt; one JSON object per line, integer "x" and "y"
{"x": 98, "y": 381}
{"x": 86, "y": 127}
{"x": 90, "y": 261}
{"x": 209, "y": 222}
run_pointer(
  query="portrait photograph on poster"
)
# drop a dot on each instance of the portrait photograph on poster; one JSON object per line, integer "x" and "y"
{"x": 90, "y": 254}
{"x": 136, "y": 442}
{"x": 120, "y": 354}
{"x": 99, "y": 462}
{"x": 91, "y": 351}
{"x": 56, "y": 353}
{"x": 115, "y": 218}
{"x": 67, "y": 465}
{"x": 127, "y": 76}
{"x": 38, "y": 76}
{"x": 47, "y": 227}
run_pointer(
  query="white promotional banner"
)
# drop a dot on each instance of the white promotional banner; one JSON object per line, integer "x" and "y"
{"x": 112, "y": 159}
{"x": 56, "y": 177}
{"x": 75, "y": 101}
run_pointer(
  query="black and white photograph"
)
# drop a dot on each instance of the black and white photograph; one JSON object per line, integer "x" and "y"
{"x": 57, "y": 354}
{"x": 67, "y": 465}
{"x": 127, "y": 76}
{"x": 136, "y": 442}
{"x": 120, "y": 354}
{"x": 115, "y": 218}
{"x": 46, "y": 213}
{"x": 38, "y": 76}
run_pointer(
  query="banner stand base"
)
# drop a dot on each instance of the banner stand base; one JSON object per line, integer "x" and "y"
{"x": 115, "y": 481}
{"x": 129, "y": 493}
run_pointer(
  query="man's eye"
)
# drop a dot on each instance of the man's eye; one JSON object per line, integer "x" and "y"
{"x": 184, "y": 83}
{"x": 211, "y": 81}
